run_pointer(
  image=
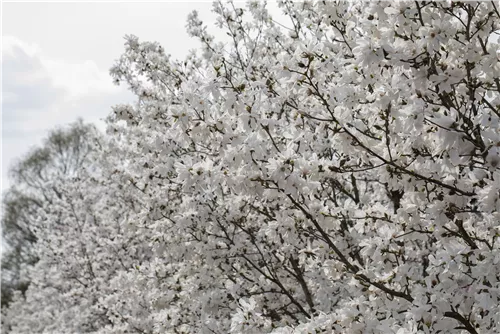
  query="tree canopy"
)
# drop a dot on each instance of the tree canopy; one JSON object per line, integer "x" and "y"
{"x": 337, "y": 172}
{"x": 37, "y": 178}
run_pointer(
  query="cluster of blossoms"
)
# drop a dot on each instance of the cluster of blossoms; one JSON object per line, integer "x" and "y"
{"x": 341, "y": 174}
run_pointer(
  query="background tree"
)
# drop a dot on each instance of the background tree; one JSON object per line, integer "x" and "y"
{"x": 35, "y": 179}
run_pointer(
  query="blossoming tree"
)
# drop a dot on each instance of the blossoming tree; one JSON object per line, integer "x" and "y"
{"x": 337, "y": 172}
{"x": 36, "y": 178}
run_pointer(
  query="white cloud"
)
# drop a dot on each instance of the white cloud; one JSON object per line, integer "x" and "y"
{"x": 80, "y": 79}
{"x": 40, "y": 93}
{"x": 10, "y": 43}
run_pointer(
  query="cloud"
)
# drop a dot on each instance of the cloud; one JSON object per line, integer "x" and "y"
{"x": 80, "y": 79}
{"x": 39, "y": 93}
{"x": 26, "y": 82}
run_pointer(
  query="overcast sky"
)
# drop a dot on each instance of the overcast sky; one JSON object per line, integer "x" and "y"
{"x": 56, "y": 58}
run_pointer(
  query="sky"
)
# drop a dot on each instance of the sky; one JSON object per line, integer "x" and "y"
{"x": 56, "y": 59}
